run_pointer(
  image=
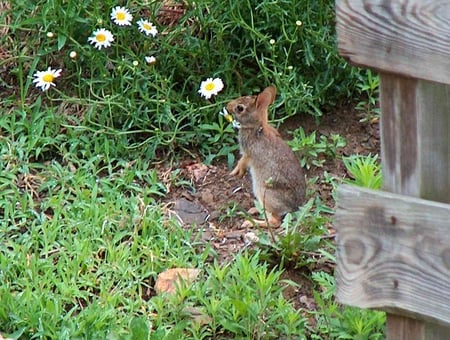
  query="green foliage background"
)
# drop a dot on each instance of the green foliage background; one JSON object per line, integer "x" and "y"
{"x": 151, "y": 108}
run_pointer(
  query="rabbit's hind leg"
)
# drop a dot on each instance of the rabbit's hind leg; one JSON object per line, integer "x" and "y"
{"x": 273, "y": 220}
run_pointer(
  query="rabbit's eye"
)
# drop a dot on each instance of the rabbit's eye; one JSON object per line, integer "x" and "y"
{"x": 240, "y": 108}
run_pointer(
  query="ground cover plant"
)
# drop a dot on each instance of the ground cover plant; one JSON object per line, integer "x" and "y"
{"x": 101, "y": 103}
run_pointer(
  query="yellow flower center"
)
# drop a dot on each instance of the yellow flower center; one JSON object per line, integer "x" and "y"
{"x": 100, "y": 37}
{"x": 48, "y": 78}
{"x": 147, "y": 27}
{"x": 209, "y": 87}
{"x": 120, "y": 16}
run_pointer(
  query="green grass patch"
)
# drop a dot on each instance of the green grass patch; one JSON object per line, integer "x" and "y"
{"x": 82, "y": 255}
{"x": 151, "y": 107}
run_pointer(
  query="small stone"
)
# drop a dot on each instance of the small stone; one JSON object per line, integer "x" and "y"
{"x": 190, "y": 212}
{"x": 251, "y": 237}
{"x": 170, "y": 279}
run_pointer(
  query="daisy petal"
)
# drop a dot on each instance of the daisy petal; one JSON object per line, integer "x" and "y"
{"x": 147, "y": 27}
{"x": 210, "y": 87}
{"x": 101, "y": 38}
{"x": 121, "y": 16}
{"x": 150, "y": 60}
{"x": 44, "y": 79}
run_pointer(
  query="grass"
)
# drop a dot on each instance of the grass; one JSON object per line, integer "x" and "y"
{"x": 92, "y": 244}
{"x": 85, "y": 232}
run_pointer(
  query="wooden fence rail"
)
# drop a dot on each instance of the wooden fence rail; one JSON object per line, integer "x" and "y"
{"x": 394, "y": 253}
{"x": 393, "y": 250}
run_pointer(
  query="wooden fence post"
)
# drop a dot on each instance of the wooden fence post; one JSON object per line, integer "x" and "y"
{"x": 408, "y": 41}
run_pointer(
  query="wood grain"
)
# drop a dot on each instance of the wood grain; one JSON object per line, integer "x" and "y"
{"x": 415, "y": 137}
{"x": 393, "y": 253}
{"x": 399, "y": 327}
{"x": 409, "y": 37}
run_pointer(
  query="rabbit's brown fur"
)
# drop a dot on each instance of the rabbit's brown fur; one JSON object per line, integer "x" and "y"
{"x": 277, "y": 177}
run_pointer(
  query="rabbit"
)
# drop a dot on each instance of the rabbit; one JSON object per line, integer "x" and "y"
{"x": 278, "y": 181}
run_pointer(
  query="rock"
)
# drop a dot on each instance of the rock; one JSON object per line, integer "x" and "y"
{"x": 198, "y": 315}
{"x": 190, "y": 212}
{"x": 251, "y": 237}
{"x": 170, "y": 279}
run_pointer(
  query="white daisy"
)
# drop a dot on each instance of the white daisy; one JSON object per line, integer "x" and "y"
{"x": 147, "y": 27}
{"x": 150, "y": 60}
{"x": 236, "y": 124}
{"x": 121, "y": 16}
{"x": 229, "y": 118}
{"x": 210, "y": 87}
{"x": 44, "y": 79}
{"x": 101, "y": 38}
{"x": 226, "y": 115}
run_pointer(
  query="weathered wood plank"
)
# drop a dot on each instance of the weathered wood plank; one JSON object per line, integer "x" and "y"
{"x": 399, "y": 327}
{"x": 393, "y": 253}
{"x": 409, "y": 37}
{"x": 415, "y": 136}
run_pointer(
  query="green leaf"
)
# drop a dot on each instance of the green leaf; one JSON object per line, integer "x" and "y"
{"x": 61, "y": 41}
{"x": 16, "y": 335}
{"x": 139, "y": 329}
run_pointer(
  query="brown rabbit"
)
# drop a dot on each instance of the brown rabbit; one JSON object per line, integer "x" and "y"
{"x": 277, "y": 177}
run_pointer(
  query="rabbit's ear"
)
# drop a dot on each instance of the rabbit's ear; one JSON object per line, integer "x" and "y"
{"x": 266, "y": 97}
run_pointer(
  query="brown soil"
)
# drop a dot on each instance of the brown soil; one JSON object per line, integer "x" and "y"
{"x": 218, "y": 203}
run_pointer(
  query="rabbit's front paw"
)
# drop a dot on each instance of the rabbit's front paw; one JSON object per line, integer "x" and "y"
{"x": 238, "y": 171}
{"x": 241, "y": 167}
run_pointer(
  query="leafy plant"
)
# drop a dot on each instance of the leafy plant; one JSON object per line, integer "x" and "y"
{"x": 82, "y": 247}
{"x": 343, "y": 322}
{"x": 221, "y": 133}
{"x": 364, "y": 170}
{"x": 300, "y": 239}
{"x": 155, "y": 106}
{"x": 368, "y": 86}
{"x": 242, "y": 298}
{"x": 313, "y": 151}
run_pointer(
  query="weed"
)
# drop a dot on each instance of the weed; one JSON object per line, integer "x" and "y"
{"x": 242, "y": 298}
{"x": 222, "y": 134}
{"x": 368, "y": 86}
{"x": 253, "y": 305}
{"x": 313, "y": 151}
{"x": 85, "y": 237}
{"x": 301, "y": 238}
{"x": 364, "y": 170}
{"x": 339, "y": 322}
